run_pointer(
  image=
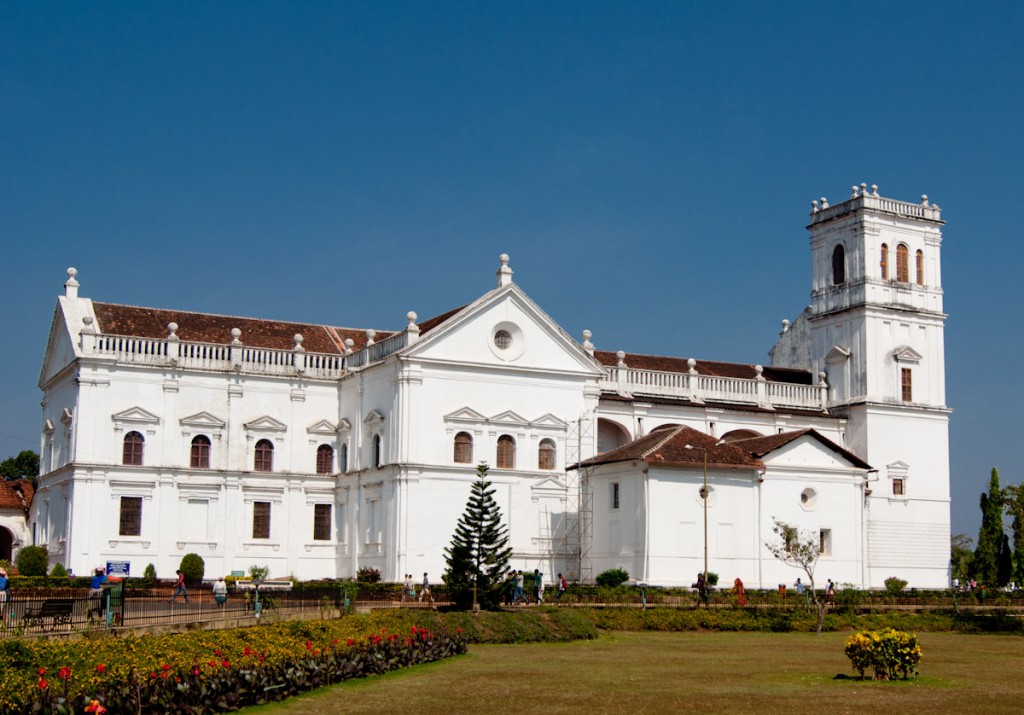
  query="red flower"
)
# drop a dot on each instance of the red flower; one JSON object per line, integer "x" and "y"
{"x": 42, "y": 672}
{"x": 177, "y": 679}
{"x": 458, "y": 630}
{"x": 42, "y": 684}
{"x": 195, "y": 670}
{"x": 247, "y": 651}
{"x": 165, "y": 667}
{"x": 226, "y": 664}
{"x": 334, "y": 642}
{"x": 100, "y": 669}
{"x": 212, "y": 664}
{"x": 349, "y": 642}
{"x": 262, "y": 657}
{"x": 95, "y": 707}
{"x": 217, "y": 652}
{"x": 163, "y": 675}
{"x": 309, "y": 645}
{"x": 153, "y": 676}
{"x": 316, "y": 652}
{"x": 64, "y": 673}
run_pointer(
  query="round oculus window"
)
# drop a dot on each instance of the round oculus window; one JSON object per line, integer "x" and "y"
{"x": 503, "y": 340}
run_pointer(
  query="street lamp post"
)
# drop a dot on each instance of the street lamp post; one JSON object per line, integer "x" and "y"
{"x": 704, "y": 500}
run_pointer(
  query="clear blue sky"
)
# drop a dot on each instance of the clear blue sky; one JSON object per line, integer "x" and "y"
{"x": 648, "y": 166}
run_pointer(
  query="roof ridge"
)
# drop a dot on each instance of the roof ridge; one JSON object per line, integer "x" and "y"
{"x": 669, "y": 434}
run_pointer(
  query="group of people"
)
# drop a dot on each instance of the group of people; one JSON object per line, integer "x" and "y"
{"x": 409, "y": 589}
{"x": 515, "y": 590}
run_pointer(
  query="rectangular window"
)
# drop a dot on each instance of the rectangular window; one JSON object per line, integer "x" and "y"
{"x": 825, "y": 542}
{"x": 261, "y": 520}
{"x": 131, "y": 516}
{"x": 615, "y": 495}
{"x": 321, "y": 522}
{"x": 897, "y": 487}
{"x": 906, "y": 384}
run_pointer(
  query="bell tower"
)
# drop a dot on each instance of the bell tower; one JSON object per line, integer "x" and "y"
{"x": 875, "y": 327}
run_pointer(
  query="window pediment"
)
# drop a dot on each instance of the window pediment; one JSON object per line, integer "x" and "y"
{"x": 323, "y": 427}
{"x": 550, "y": 421}
{"x": 837, "y": 355}
{"x": 135, "y": 416}
{"x": 465, "y": 414}
{"x": 508, "y": 417}
{"x": 905, "y": 353}
{"x": 373, "y": 421}
{"x": 266, "y": 424}
{"x": 203, "y": 420}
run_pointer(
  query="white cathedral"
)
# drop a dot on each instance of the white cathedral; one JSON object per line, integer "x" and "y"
{"x": 319, "y": 450}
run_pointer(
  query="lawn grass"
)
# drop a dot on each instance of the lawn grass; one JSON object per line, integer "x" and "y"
{"x": 651, "y": 672}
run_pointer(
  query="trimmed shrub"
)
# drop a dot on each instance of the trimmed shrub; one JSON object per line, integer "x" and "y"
{"x": 368, "y": 575}
{"x": 33, "y": 561}
{"x": 193, "y": 566}
{"x": 612, "y": 578}
{"x": 890, "y": 653}
{"x": 59, "y": 571}
{"x": 894, "y": 586}
{"x": 149, "y": 575}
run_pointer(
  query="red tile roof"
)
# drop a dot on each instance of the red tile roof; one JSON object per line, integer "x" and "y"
{"x": 705, "y": 367}
{"x": 678, "y": 445}
{"x": 760, "y": 446}
{"x": 16, "y": 495}
{"x": 431, "y": 323}
{"x": 209, "y": 328}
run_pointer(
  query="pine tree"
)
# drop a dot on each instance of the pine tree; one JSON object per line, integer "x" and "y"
{"x": 985, "y": 566}
{"x": 479, "y": 549}
{"x": 1014, "y": 498}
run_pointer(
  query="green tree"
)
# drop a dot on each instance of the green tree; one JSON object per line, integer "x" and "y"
{"x": 24, "y": 466}
{"x": 193, "y": 566}
{"x": 985, "y": 567}
{"x": 479, "y": 552}
{"x": 1014, "y": 503}
{"x": 960, "y": 557}
{"x": 799, "y": 550}
{"x": 33, "y": 561}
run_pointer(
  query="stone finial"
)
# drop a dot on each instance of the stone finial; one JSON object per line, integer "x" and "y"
{"x": 863, "y": 188}
{"x": 824, "y": 203}
{"x": 924, "y": 199}
{"x": 236, "y": 334}
{"x": 71, "y": 287}
{"x": 504, "y": 272}
{"x": 621, "y": 356}
{"x": 370, "y": 335}
{"x": 172, "y": 331}
{"x": 587, "y": 345}
{"x": 89, "y": 327}
{"x": 814, "y": 206}
{"x": 298, "y": 343}
{"x": 760, "y": 372}
{"x": 785, "y": 327}
{"x": 874, "y": 190}
{"x": 411, "y": 317}
{"x": 856, "y": 190}
{"x": 692, "y": 364}
{"x": 821, "y": 379}
{"x": 349, "y": 344}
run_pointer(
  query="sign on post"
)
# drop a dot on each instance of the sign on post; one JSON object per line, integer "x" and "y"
{"x": 121, "y": 569}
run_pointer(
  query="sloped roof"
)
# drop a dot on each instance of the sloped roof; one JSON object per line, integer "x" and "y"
{"x": 210, "y": 328}
{"x": 16, "y": 495}
{"x": 678, "y": 445}
{"x": 760, "y": 446}
{"x": 705, "y": 367}
{"x": 431, "y": 323}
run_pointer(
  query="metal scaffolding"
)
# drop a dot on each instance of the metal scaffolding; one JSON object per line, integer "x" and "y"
{"x": 576, "y": 528}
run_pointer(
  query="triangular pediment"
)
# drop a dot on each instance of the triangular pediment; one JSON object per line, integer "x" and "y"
{"x": 905, "y": 353}
{"x": 266, "y": 423}
{"x": 508, "y": 417}
{"x": 62, "y": 342}
{"x": 837, "y": 354}
{"x": 136, "y": 415}
{"x": 505, "y": 329}
{"x": 374, "y": 419}
{"x": 344, "y": 426}
{"x": 807, "y": 449}
{"x": 549, "y": 420}
{"x": 897, "y": 469}
{"x": 465, "y": 414}
{"x": 553, "y": 484}
{"x": 325, "y": 427}
{"x": 201, "y": 420}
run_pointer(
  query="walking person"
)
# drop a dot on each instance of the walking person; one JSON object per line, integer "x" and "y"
{"x": 5, "y": 595}
{"x": 179, "y": 587}
{"x": 519, "y": 589}
{"x": 425, "y": 591}
{"x": 561, "y": 587}
{"x": 96, "y": 593}
{"x": 538, "y": 587}
{"x": 220, "y": 591}
{"x": 830, "y": 593}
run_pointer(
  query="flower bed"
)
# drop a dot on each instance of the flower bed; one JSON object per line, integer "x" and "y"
{"x": 210, "y": 671}
{"x": 890, "y": 653}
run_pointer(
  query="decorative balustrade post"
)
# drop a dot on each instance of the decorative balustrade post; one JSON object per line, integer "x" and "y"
{"x": 823, "y": 386}
{"x": 173, "y": 344}
{"x": 620, "y": 373}
{"x": 587, "y": 345}
{"x": 692, "y": 383}
{"x": 87, "y": 336}
{"x": 236, "y": 348}
{"x": 299, "y": 359}
{"x": 412, "y": 331}
{"x": 762, "y": 388}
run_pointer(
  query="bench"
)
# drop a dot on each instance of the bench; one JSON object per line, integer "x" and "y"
{"x": 55, "y": 610}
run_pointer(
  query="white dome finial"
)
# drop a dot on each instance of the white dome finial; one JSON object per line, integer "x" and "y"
{"x": 504, "y": 272}
{"x": 71, "y": 287}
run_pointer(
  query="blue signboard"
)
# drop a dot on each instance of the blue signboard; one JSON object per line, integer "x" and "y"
{"x": 119, "y": 568}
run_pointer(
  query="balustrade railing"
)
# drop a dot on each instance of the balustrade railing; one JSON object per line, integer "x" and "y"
{"x": 700, "y": 388}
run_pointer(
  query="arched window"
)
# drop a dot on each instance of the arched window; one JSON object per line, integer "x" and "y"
{"x": 463, "y": 448}
{"x": 546, "y": 454}
{"x": 324, "y": 459}
{"x": 920, "y": 267}
{"x": 506, "y": 452}
{"x": 903, "y": 263}
{"x": 838, "y": 264}
{"x": 344, "y": 458}
{"x": 200, "y": 455}
{"x": 132, "y": 453}
{"x": 376, "y": 450}
{"x": 884, "y": 263}
{"x": 264, "y": 461}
